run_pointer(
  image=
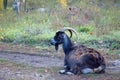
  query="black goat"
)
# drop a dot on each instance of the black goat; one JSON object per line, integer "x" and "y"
{"x": 78, "y": 58}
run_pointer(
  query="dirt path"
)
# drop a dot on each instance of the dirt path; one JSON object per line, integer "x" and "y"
{"x": 14, "y": 69}
{"x": 34, "y": 60}
{"x": 38, "y": 61}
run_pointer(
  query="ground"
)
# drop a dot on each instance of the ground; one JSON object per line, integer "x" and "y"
{"x": 26, "y": 65}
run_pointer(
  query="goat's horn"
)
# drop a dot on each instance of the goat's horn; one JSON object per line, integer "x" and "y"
{"x": 70, "y": 30}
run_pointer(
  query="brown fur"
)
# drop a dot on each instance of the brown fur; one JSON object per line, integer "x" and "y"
{"x": 75, "y": 58}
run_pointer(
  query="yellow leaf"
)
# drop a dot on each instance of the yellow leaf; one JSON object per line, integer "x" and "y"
{"x": 63, "y": 3}
{"x": 1, "y": 4}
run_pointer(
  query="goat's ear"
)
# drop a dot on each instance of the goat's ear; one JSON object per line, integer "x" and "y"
{"x": 56, "y": 47}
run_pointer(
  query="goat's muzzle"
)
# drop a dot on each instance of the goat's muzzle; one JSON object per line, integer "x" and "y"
{"x": 53, "y": 42}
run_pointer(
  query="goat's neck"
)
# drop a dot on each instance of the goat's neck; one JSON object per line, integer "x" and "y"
{"x": 67, "y": 45}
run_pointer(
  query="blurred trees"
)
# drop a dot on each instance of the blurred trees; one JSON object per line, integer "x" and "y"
{"x": 19, "y": 5}
{"x": 5, "y": 3}
{"x": 1, "y": 4}
{"x": 63, "y": 3}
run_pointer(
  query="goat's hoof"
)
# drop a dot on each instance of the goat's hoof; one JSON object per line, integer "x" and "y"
{"x": 69, "y": 73}
{"x": 62, "y": 71}
{"x": 87, "y": 70}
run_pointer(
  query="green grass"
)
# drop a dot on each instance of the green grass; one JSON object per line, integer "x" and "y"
{"x": 26, "y": 29}
{"x": 3, "y": 59}
{"x": 39, "y": 27}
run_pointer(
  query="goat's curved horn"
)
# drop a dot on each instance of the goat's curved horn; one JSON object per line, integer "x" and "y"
{"x": 70, "y": 30}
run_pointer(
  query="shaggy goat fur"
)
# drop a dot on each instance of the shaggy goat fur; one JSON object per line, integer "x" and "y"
{"x": 78, "y": 58}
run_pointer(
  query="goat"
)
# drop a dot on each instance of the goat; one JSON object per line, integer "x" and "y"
{"x": 79, "y": 59}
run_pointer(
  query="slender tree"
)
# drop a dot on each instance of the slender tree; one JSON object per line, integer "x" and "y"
{"x": 5, "y": 4}
{"x": 25, "y": 6}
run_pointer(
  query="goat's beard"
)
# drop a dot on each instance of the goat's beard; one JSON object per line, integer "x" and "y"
{"x": 56, "y": 47}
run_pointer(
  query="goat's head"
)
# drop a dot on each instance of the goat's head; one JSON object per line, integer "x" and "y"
{"x": 60, "y": 36}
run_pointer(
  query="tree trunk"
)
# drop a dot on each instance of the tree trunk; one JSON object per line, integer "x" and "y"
{"x": 25, "y": 6}
{"x": 5, "y": 4}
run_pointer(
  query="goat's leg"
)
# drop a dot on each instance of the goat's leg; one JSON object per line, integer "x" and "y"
{"x": 65, "y": 62}
{"x": 100, "y": 69}
{"x": 69, "y": 70}
{"x": 95, "y": 66}
{"x": 65, "y": 70}
{"x": 66, "y": 67}
{"x": 87, "y": 70}
{"x": 83, "y": 69}
{"x": 89, "y": 65}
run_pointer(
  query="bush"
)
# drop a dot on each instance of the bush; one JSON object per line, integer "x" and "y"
{"x": 84, "y": 29}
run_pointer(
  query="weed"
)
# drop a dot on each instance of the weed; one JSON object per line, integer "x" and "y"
{"x": 3, "y": 59}
{"x": 11, "y": 79}
{"x": 42, "y": 69}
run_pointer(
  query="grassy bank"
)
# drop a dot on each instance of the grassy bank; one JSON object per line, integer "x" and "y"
{"x": 38, "y": 27}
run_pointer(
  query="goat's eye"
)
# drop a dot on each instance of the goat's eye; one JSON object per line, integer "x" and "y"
{"x": 59, "y": 38}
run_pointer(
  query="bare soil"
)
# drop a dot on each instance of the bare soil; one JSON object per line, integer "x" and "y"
{"x": 27, "y": 63}
{"x": 25, "y": 66}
